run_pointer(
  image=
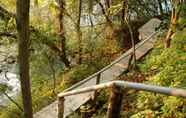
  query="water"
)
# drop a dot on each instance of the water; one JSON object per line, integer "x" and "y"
{"x": 11, "y": 82}
{"x": 8, "y": 55}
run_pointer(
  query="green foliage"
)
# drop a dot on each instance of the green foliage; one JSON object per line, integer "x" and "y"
{"x": 97, "y": 50}
{"x": 11, "y": 111}
{"x": 168, "y": 69}
{"x": 3, "y": 88}
{"x": 10, "y": 4}
{"x": 80, "y": 72}
{"x": 115, "y": 9}
{"x": 45, "y": 94}
{"x": 144, "y": 114}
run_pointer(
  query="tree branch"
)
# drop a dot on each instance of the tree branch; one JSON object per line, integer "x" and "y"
{"x": 104, "y": 12}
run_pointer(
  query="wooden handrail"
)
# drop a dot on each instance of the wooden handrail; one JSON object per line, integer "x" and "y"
{"x": 130, "y": 85}
{"x": 110, "y": 65}
{"x": 116, "y": 94}
{"x": 97, "y": 75}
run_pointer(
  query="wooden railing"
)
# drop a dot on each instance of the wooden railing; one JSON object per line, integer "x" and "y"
{"x": 117, "y": 90}
{"x": 98, "y": 74}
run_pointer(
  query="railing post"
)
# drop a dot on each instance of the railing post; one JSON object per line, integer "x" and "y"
{"x": 115, "y": 102}
{"x": 96, "y": 92}
{"x": 61, "y": 107}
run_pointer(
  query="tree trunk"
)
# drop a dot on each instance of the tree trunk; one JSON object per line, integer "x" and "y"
{"x": 62, "y": 34}
{"x": 109, "y": 22}
{"x": 23, "y": 58}
{"x": 79, "y": 33}
{"x": 115, "y": 102}
{"x": 123, "y": 14}
{"x": 107, "y": 4}
{"x": 167, "y": 43}
{"x": 109, "y": 29}
{"x": 133, "y": 45}
{"x": 175, "y": 13}
{"x": 160, "y": 7}
{"x": 127, "y": 20}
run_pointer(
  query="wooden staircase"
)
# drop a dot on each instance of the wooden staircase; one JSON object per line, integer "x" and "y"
{"x": 109, "y": 73}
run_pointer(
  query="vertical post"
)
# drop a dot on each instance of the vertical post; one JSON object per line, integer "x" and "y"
{"x": 130, "y": 61}
{"x": 61, "y": 107}
{"x": 115, "y": 102}
{"x": 98, "y": 78}
{"x": 96, "y": 93}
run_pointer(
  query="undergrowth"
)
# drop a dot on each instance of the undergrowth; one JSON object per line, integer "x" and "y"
{"x": 162, "y": 67}
{"x": 165, "y": 67}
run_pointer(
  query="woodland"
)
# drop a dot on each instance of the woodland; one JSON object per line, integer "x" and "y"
{"x": 46, "y": 46}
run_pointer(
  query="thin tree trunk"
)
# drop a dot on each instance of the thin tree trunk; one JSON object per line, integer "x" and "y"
{"x": 62, "y": 34}
{"x": 123, "y": 14}
{"x": 167, "y": 43}
{"x": 127, "y": 20}
{"x": 109, "y": 22}
{"x": 175, "y": 13}
{"x": 160, "y": 7}
{"x": 109, "y": 29}
{"x": 23, "y": 58}
{"x": 91, "y": 31}
{"x": 172, "y": 27}
{"x": 79, "y": 33}
{"x": 107, "y": 4}
{"x": 133, "y": 45}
